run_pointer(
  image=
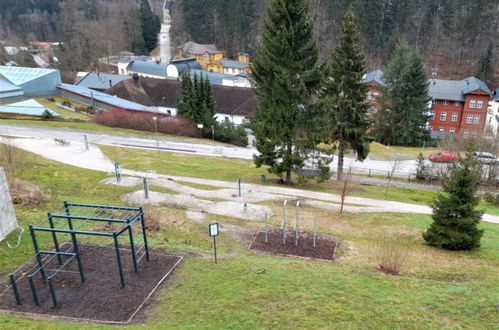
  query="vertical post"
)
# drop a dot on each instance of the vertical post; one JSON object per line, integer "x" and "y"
{"x": 54, "y": 237}
{"x": 35, "y": 246}
{"x": 213, "y": 132}
{"x": 266, "y": 230}
{"x": 117, "y": 172}
{"x": 14, "y": 289}
{"x": 52, "y": 292}
{"x": 146, "y": 188}
{"x": 283, "y": 224}
{"x": 144, "y": 235}
{"x": 132, "y": 246}
{"x": 239, "y": 186}
{"x": 409, "y": 177}
{"x": 315, "y": 231}
{"x": 297, "y": 220}
{"x": 369, "y": 173}
{"x": 33, "y": 290}
{"x": 78, "y": 258}
{"x": 215, "y": 247}
{"x": 118, "y": 260}
{"x": 85, "y": 139}
{"x": 155, "y": 119}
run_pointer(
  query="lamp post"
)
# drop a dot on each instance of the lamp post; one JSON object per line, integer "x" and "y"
{"x": 155, "y": 119}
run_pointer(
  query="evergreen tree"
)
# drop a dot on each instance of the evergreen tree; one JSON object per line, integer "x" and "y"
{"x": 186, "y": 102}
{"x": 285, "y": 73}
{"x": 196, "y": 101}
{"x": 455, "y": 217}
{"x": 151, "y": 25}
{"x": 485, "y": 69}
{"x": 344, "y": 94}
{"x": 403, "y": 115}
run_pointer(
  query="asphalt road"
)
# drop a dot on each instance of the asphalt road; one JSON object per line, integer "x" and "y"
{"x": 380, "y": 167}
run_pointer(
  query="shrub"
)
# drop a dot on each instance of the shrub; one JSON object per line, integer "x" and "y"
{"x": 26, "y": 194}
{"x": 152, "y": 216}
{"x": 390, "y": 256}
{"x": 50, "y": 99}
{"x": 492, "y": 199}
{"x": 228, "y": 132}
{"x": 80, "y": 108}
{"x": 47, "y": 115}
{"x": 422, "y": 170}
{"x": 9, "y": 154}
{"x": 67, "y": 104}
{"x": 178, "y": 125}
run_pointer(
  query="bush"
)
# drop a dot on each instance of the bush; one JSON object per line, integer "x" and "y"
{"x": 50, "y": 99}
{"x": 390, "y": 256}
{"x": 25, "y": 194}
{"x": 228, "y": 132}
{"x": 178, "y": 125}
{"x": 422, "y": 170}
{"x": 152, "y": 217}
{"x": 67, "y": 104}
{"x": 47, "y": 115}
{"x": 492, "y": 199}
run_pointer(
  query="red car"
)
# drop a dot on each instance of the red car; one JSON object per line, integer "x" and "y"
{"x": 443, "y": 157}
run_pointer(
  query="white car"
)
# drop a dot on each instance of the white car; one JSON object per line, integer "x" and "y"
{"x": 486, "y": 157}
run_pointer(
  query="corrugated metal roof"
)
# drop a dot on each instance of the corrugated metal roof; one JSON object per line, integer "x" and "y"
{"x": 101, "y": 81}
{"x": 214, "y": 77}
{"x": 455, "y": 90}
{"x": 104, "y": 98}
{"x": 186, "y": 65}
{"x": 7, "y": 86}
{"x": 29, "y": 107}
{"x": 233, "y": 64}
{"x": 374, "y": 76}
{"x": 157, "y": 69}
{"x": 192, "y": 47}
{"x": 21, "y": 75}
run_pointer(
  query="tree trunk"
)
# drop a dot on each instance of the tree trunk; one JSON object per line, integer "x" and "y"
{"x": 289, "y": 152}
{"x": 341, "y": 153}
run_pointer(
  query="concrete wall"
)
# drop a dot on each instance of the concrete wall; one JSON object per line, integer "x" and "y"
{"x": 8, "y": 220}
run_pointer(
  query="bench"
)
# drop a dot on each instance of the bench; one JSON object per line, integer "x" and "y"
{"x": 61, "y": 142}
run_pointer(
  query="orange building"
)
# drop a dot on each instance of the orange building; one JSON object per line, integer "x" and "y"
{"x": 206, "y": 54}
{"x": 458, "y": 106}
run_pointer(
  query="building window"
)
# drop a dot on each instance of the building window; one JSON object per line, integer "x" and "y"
{"x": 370, "y": 96}
{"x": 452, "y": 130}
{"x": 441, "y": 129}
{"x": 446, "y": 102}
{"x": 469, "y": 119}
{"x": 466, "y": 133}
{"x": 457, "y": 103}
{"x": 472, "y": 104}
{"x": 169, "y": 112}
{"x": 433, "y": 101}
{"x": 477, "y": 120}
{"x": 454, "y": 117}
{"x": 443, "y": 116}
{"x": 479, "y": 104}
{"x": 432, "y": 115}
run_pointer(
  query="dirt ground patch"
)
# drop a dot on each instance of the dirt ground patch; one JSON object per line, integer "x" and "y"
{"x": 324, "y": 249}
{"x": 100, "y": 297}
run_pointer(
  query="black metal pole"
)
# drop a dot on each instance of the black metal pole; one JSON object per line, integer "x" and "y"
{"x": 144, "y": 235}
{"x": 215, "y": 248}
{"x": 132, "y": 246}
{"x": 14, "y": 288}
{"x": 52, "y": 292}
{"x": 33, "y": 290}
{"x": 54, "y": 238}
{"x": 38, "y": 257}
{"x": 118, "y": 259}
{"x": 76, "y": 249}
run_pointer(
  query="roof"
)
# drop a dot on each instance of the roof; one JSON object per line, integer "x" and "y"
{"x": 100, "y": 81}
{"x": 6, "y": 86}
{"x": 374, "y": 76}
{"x": 185, "y": 64}
{"x": 191, "y": 47}
{"x": 165, "y": 93}
{"x": 11, "y": 63}
{"x": 21, "y": 75}
{"x": 455, "y": 90}
{"x": 157, "y": 69}
{"x": 214, "y": 77}
{"x": 233, "y": 64}
{"x": 496, "y": 94}
{"x": 28, "y": 107}
{"x": 104, "y": 98}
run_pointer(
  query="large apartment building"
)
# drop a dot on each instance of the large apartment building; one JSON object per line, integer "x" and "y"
{"x": 458, "y": 106}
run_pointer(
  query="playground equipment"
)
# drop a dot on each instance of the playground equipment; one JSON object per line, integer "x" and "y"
{"x": 73, "y": 219}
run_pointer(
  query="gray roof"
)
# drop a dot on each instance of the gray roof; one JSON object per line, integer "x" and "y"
{"x": 233, "y": 64}
{"x": 158, "y": 69}
{"x": 496, "y": 94}
{"x": 214, "y": 77}
{"x": 100, "y": 81}
{"x": 185, "y": 64}
{"x": 7, "y": 86}
{"x": 374, "y": 76}
{"x": 455, "y": 90}
{"x": 194, "y": 48}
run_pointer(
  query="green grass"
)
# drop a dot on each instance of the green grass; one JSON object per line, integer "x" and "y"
{"x": 437, "y": 289}
{"x": 66, "y": 114}
{"x": 382, "y": 152}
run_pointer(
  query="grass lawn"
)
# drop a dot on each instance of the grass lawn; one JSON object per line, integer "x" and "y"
{"x": 382, "y": 152}
{"x": 436, "y": 289}
{"x": 66, "y": 114}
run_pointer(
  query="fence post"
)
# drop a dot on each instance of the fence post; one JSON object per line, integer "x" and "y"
{"x": 369, "y": 172}
{"x": 283, "y": 224}
{"x": 52, "y": 292}
{"x": 33, "y": 290}
{"x": 14, "y": 288}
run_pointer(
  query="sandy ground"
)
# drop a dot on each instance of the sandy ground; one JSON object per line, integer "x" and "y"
{"x": 76, "y": 155}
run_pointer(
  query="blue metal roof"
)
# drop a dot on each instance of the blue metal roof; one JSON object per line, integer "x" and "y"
{"x": 213, "y": 77}
{"x": 7, "y": 86}
{"x": 105, "y": 98}
{"x": 374, "y": 76}
{"x": 21, "y": 75}
{"x": 158, "y": 69}
{"x": 101, "y": 81}
{"x": 28, "y": 107}
{"x": 233, "y": 64}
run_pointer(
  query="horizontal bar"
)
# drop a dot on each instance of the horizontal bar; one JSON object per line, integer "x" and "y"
{"x": 61, "y": 271}
{"x": 74, "y": 217}
{"x": 73, "y": 231}
{"x": 57, "y": 253}
{"x": 104, "y": 206}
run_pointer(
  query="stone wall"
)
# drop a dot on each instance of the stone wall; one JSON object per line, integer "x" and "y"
{"x": 8, "y": 220}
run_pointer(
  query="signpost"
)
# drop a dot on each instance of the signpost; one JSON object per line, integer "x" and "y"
{"x": 213, "y": 231}
{"x": 85, "y": 138}
{"x": 117, "y": 171}
{"x": 146, "y": 188}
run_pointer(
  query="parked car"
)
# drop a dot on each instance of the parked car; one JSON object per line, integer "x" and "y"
{"x": 486, "y": 157}
{"x": 443, "y": 157}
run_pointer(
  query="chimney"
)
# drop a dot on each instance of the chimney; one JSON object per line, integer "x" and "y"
{"x": 110, "y": 83}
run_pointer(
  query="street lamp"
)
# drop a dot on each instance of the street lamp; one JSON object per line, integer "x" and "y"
{"x": 155, "y": 119}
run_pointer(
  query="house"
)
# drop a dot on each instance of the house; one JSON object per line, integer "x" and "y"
{"x": 100, "y": 81}
{"x": 458, "y": 106}
{"x": 234, "y": 67}
{"x": 492, "y": 121}
{"x": 243, "y": 57}
{"x": 205, "y": 54}
{"x": 375, "y": 82}
{"x": 22, "y": 82}
{"x": 233, "y": 104}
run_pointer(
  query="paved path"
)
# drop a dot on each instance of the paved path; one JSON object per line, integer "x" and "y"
{"x": 76, "y": 155}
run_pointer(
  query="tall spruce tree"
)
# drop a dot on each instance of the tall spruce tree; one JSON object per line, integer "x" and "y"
{"x": 285, "y": 74}
{"x": 485, "y": 68}
{"x": 151, "y": 25}
{"x": 343, "y": 94}
{"x": 196, "y": 101}
{"x": 455, "y": 217}
{"x": 404, "y": 105}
